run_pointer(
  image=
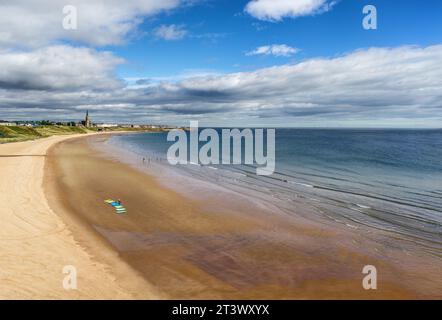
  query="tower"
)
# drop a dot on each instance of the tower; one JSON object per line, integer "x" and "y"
{"x": 87, "y": 120}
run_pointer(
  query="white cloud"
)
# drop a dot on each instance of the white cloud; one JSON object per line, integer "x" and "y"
{"x": 170, "y": 32}
{"x": 36, "y": 23}
{"x": 275, "y": 10}
{"x": 278, "y": 50}
{"x": 375, "y": 86}
{"x": 58, "y": 68}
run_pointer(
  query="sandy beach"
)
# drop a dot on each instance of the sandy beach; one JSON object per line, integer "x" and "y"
{"x": 36, "y": 244}
{"x": 168, "y": 245}
{"x": 218, "y": 247}
{"x": 180, "y": 152}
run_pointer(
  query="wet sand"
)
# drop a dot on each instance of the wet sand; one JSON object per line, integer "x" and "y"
{"x": 36, "y": 244}
{"x": 216, "y": 248}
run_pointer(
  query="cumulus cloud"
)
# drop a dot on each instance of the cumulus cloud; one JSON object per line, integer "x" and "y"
{"x": 380, "y": 85}
{"x": 277, "y": 50}
{"x": 275, "y": 10}
{"x": 170, "y": 32}
{"x": 36, "y": 23}
{"x": 58, "y": 68}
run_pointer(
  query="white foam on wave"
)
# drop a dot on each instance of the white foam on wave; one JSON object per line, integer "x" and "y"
{"x": 301, "y": 184}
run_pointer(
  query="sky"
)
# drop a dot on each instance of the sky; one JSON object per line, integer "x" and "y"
{"x": 241, "y": 63}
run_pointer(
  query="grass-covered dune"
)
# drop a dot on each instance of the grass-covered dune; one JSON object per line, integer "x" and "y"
{"x": 22, "y": 133}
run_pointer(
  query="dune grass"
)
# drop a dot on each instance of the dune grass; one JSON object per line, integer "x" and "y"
{"x": 22, "y": 133}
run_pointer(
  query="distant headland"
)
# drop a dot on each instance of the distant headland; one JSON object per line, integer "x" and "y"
{"x": 14, "y": 131}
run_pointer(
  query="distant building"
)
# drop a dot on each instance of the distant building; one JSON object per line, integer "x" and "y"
{"x": 7, "y": 124}
{"x": 87, "y": 120}
{"x": 106, "y": 125}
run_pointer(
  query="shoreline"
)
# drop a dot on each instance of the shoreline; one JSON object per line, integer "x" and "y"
{"x": 36, "y": 243}
{"x": 170, "y": 246}
{"x": 190, "y": 249}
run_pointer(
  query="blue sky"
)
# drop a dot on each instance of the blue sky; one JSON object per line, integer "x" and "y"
{"x": 220, "y": 33}
{"x": 277, "y": 63}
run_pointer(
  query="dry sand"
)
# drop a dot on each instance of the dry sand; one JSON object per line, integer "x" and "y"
{"x": 35, "y": 244}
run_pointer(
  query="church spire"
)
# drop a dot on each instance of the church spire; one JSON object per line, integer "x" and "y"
{"x": 87, "y": 120}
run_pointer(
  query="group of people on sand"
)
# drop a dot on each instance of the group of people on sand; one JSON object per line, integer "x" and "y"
{"x": 148, "y": 160}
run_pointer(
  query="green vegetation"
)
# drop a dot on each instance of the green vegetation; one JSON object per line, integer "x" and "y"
{"x": 22, "y": 133}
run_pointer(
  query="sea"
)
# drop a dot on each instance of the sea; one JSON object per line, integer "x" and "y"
{"x": 377, "y": 179}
